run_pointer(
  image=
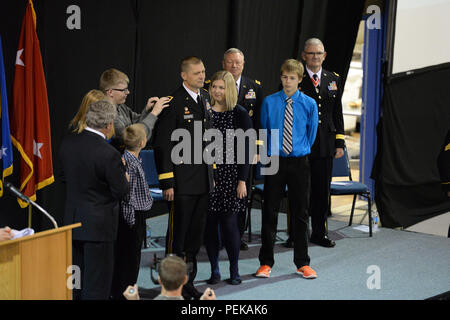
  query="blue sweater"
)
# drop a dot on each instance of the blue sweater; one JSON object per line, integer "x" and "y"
{"x": 304, "y": 126}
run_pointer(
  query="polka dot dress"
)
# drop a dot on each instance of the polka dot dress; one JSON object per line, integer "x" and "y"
{"x": 224, "y": 197}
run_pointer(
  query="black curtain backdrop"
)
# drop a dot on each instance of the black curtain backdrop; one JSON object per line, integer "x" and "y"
{"x": 415, "y": 121}
{"x": 147, "y": 40}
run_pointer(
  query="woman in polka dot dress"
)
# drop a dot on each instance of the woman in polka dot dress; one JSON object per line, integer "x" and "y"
{"x": 230, "y": 191}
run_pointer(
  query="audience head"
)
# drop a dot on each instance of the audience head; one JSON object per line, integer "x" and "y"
{"x": 172, "y": 273}
{"x": 193, "y": 73}
{"x": 233, "y": 62}
{"x": 223, "y": 89}
{"x": 114, "y": 84}
{"x": 78, "y": 123}
{"x": 134, "y": 137}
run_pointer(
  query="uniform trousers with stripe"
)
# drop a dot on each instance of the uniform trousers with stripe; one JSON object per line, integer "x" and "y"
{"x": 321, "y": 169}
{"x": 295, "y": 173}
{"x": 187, "y": 220}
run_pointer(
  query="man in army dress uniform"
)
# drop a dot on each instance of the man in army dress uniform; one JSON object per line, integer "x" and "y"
{"x": 186, "y": 182}
{"x": 326, "y": 89}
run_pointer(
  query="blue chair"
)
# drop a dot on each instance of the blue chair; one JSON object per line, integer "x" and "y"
{"x": 148, "y": 163}
{"x": 341, "y": 168}
{"x": 151, "y": 175}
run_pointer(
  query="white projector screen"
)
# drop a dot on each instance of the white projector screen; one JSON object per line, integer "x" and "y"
{"x": 422, "y": 34}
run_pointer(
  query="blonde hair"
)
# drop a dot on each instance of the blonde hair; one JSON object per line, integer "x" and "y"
{"x": 133, "y": 135}
{"x": 111, "y": 78}
{"x": 292, "y": 65}
{"x": 230, "y": 88}
{"x": 78, "y": 123}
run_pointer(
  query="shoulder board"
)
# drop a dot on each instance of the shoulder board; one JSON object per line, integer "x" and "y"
{"x": 336, "y": 74}
{"x": 207, "y": 81}
{"x": 257, "y": 82}
{"x": 205, "y": 89}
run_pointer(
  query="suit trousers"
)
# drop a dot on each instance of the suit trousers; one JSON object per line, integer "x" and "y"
{"x": 321, "y": 169}
{"x": 187, "y": 219}
{"x": 96, "y": 263}
{"x": 295, "y": 173}
{"x": 127, "y": 254}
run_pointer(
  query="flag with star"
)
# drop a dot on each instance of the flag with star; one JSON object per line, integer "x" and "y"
{"x": 6, "y": 155}
{"x": 30, "y": 122}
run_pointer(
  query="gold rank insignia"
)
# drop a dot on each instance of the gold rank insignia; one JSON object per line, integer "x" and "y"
{"x": 170, "y": 98}
{"x": 207, "y": 81}
{"x": 250, "y": 113}
{"x": 336, "y": 74}
{"x": 257, "y": 82}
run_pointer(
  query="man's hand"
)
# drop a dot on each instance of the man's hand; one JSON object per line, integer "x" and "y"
{"x": 160, "y": 105}
{"x": 208, "y": 295}
{"x": 168, "y": 194}
{"x": 339, "y": 153}
{"x": 150, "y": 103}
{"x": 131, "y": 293}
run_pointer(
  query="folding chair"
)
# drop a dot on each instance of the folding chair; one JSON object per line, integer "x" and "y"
{"x": 341, "y": 168}
{"x": 257, "y": 188}
{"x": 151, "y": 175}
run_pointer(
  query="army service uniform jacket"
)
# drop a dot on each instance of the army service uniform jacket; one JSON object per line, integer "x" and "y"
{"x": 330, "y": 132}
{"x": 192, "y": 177}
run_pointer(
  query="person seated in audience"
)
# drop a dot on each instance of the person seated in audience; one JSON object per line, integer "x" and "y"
{"x": 172, "y": 276}
{"x": 5, "y": 234}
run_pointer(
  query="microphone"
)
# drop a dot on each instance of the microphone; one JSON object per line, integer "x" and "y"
{"x": 29, "y": 201}
{"x": 17, "y": 192}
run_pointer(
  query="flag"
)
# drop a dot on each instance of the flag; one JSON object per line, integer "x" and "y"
{"x": 30, "y": 123}
{"x": 6, "y": 155}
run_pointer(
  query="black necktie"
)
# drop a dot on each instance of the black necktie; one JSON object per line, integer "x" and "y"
{"x": 199, "y": 101}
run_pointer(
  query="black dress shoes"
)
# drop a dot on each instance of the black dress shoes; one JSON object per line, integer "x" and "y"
{"x": 244, "y": 245}
{"x": 189, "y": 292}
{"x": 324, "y": 242}
{"x": 213, "y": 280}
{"x": 235, "y": 282}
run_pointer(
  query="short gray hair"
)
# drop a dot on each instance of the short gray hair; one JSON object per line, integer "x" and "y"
{"x": 313, "y": 42}
{"x": 233, "y": 50}
{"x": 100, "y": 114}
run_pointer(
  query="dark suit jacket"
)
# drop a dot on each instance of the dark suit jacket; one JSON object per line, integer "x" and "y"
{"x": 191, "y": 177}
{"x": 330, "y": 132}
{"x": 95, "y": 180}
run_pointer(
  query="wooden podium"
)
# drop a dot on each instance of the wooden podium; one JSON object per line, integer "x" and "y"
{"x": 35, "y": 267}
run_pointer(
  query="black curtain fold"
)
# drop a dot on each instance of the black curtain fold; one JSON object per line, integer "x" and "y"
{"x": 415, "y": 121}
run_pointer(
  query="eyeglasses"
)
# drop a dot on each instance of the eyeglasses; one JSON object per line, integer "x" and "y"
{"x": 314, "y": 53}
{"x": 121, "y": 90}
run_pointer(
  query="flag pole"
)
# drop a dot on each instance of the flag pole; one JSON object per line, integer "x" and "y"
{"x": 29, "y": 215}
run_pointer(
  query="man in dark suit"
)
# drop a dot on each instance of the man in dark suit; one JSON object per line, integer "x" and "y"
{"x": 95, "y": 181}
{"x": 326, "y": 89}
{"x": 250, "y": 96}
{"x": 184, "y": 177}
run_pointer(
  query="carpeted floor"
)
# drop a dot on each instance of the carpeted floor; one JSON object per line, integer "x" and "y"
{"x": 393, "y": 264}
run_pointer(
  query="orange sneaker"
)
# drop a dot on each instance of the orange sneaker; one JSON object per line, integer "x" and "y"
{"x": 263, "y": 272}
{"x": 306, "y": 272}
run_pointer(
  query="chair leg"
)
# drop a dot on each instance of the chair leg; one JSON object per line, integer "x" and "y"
{"x": 353, "y": 209}
{"x": 370, "y": 214}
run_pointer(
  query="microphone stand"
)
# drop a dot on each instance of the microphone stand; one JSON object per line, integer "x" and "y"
{"x": 29, "y": 201}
